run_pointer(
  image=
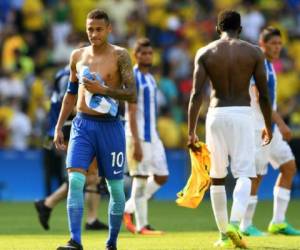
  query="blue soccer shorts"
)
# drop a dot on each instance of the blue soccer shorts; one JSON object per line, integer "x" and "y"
{"x": 100, "y": 136}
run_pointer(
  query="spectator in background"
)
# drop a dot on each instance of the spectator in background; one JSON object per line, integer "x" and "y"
{"x": 118, "y": 10}
{"x": 34, "y": 20}
{"x": 37, "y": 109}
{"x": 10, "y": 43}
{"x": 168, "y": 86}
{"x": 252, "y": 22}
{"x": 20, "y": 126}
{"x": 179, "y": 60}
{"x": 61, "y": 27}
{"x": 168, "y": 129}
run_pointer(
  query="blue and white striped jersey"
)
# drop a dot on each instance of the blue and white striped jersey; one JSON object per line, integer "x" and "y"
{"x": 272, "y": 83}
{"x": 146, "y": 106}
{"x": 272, "y": 87}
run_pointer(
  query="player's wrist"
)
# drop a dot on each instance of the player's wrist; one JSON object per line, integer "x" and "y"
{"x": 106, "y": 90}
{"x": 58, "y": 128}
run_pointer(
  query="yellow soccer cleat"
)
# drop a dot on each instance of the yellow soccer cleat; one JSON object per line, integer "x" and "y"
{"x": 223, "y": 242}
{"x": 236, "y": 237}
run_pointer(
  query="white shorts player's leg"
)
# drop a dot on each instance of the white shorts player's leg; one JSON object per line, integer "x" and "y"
{"x": 140, "y": 202}
{"x": 217, "y": 146}
{"x": 248, "y": 218}
{"x": 281, "y": 202}
{"x": 219, "y": 205}
{"x": 129, "y": 205}
{"x": 230, "y": 132}
{"x": 280, "y": 156}
{"x": 241, "y": 196}
{"x": 277, "y": 153}
{"x": 158, "y": 168}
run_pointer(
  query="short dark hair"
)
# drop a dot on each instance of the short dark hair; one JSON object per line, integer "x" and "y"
{"x": 141, "y": 42}
{"x": 98, "y": 14}
{"x": 267, "y": 33}
{"x": 229, "y": 20}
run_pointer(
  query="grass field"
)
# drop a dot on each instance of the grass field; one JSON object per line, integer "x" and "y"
{"x": 186, "y": 229}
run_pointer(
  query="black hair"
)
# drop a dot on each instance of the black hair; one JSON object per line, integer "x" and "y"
{"x": 98, "y": 14}
{"x": 268, "y": 32}
{"x": 229, "y": 20}
{"x": 141, "y": 42}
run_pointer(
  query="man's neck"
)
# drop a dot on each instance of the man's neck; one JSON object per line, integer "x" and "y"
{"x": 144, "y": 69}
{"x": 99, "y": 49}
{"x": 229, "y": 35}
{"x": 269, "y": 59}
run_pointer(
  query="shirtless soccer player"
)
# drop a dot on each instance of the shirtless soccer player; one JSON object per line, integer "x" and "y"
{"x": 100, "y": 75}
{"x": 278, "y": 153}
{"x": 45, "y": 206}
{"x": 229, "y": 64}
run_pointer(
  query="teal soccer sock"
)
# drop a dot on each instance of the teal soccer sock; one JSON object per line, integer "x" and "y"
{"x": 75, "y": 204}
{"x": 115, "y": 210}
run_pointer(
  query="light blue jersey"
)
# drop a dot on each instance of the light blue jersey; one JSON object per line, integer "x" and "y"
{"x": 99, "y": 103}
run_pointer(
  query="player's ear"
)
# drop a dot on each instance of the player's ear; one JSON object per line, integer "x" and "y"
{"x": 109, "y": 27}
{"x": 240, "y": 30}
{"x": 261, "y": 43}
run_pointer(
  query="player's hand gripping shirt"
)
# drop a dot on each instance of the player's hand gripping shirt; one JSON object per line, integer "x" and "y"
{"x": 199, "y": 181}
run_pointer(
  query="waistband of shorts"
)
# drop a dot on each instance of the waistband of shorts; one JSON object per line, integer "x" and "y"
{"x": 100, "y": 118}
{"x": 247, "y": 110}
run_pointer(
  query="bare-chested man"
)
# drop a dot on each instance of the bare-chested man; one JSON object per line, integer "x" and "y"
{"x": 229, "y": 64}
{"x": 101, "y": 75}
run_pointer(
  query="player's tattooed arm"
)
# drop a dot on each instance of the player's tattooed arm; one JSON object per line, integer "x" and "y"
{"x": 128, "y": 92}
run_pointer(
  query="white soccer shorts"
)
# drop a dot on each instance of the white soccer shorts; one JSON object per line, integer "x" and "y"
{"x": 154, "y": 160}
{"x": 277, "y": 152}
{"x": 230, "y": 135}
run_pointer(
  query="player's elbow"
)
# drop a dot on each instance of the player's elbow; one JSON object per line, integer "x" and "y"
{"x": 196, "y": 96}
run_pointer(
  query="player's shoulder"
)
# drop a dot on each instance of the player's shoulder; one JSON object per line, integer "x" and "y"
{"x": 77, "y": 53}
{"x": 252, "y": 47}
{"x": 203, "y": 51}
{"x": 120, "y": 51}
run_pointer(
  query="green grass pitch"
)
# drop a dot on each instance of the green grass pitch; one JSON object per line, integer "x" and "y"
{"x": 185, "y": 229}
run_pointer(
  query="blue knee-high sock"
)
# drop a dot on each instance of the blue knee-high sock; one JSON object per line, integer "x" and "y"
{"x": 115, "y": 209}
{"x": 75, "y": 204}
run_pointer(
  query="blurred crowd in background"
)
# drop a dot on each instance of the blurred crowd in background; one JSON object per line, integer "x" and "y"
{"x": 37, "y": 37}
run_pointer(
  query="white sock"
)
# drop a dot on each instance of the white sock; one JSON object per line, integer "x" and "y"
{"x": 140, "y": 202}
{"x": 281, "y": 202}
{"x": 152, "y": 187}
{"x": 241, "y": 195}
{"x": 129, "y": 205}
{"x": 247, "y": 220}
{"x": 219, "y": 205}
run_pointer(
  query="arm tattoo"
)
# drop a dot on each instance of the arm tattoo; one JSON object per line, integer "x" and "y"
{"x": 125, "y": 67}
{"x": 127, "y": 79}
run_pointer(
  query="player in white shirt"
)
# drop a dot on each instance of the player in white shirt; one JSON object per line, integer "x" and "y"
{"x": 145, "y": 152}
{"x": 278, "y": 152}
